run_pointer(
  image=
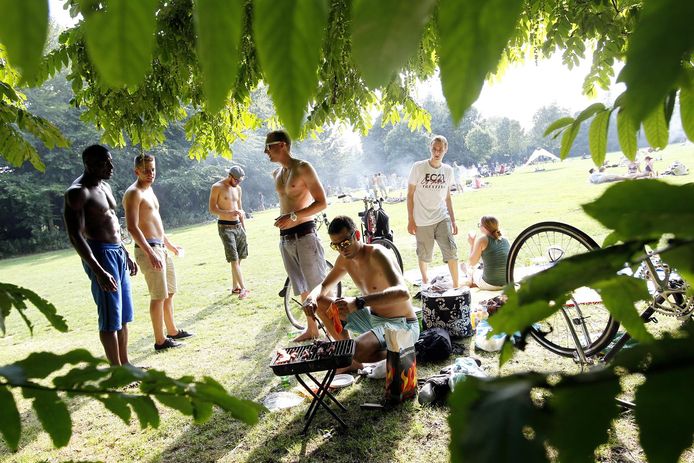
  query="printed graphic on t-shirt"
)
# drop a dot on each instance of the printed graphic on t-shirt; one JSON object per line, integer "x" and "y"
{"x": 434, "y": 182}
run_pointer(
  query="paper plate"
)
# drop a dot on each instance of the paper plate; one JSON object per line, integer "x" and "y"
{"x": 340, "y": 381}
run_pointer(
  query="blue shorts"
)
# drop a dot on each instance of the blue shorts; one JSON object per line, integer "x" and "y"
{"x": 114, "y": 308}
{"x": 363, "y": 320}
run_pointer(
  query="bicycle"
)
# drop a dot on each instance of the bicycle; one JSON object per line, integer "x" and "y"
{"x": 583, "y": 328}
{"x": 293, "y": 307}
{"x": 371, "y": 232}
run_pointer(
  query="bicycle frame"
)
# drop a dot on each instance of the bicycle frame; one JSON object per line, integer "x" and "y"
{"x": 661, "y": 290}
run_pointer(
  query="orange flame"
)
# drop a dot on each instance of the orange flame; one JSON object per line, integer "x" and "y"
{"x": 409, "y": 381}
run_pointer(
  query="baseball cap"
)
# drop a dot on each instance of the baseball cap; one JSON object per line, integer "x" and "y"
{"x": 237, "y": 172}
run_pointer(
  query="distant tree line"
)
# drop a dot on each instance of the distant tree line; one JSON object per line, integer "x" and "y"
{"x": 31, "y": 202}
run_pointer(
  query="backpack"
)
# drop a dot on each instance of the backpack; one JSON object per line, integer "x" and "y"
{"x": 383, "y": 225}
{"x": 433, "y": 345}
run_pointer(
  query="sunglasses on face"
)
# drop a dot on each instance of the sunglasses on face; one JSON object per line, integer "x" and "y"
{"x": 268, "y": 145}
{"x": 343, "y": 245}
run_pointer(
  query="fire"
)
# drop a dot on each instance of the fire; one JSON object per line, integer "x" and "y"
{"x": 409, "y": 381}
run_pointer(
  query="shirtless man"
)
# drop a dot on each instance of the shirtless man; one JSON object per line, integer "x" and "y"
{"x": 225, "y": 203}
{"x": 385, "y": 298}
{"x": 301, "y": 196}
{"x": 152, "y": 248}
{"x": 93, "y": 229}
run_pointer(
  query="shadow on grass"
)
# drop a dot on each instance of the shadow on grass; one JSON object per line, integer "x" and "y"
{"x": 369, "y": 436}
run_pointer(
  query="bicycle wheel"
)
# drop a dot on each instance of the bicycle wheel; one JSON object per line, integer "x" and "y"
{"x": 388, "y": 244}
{"x": 292, "y": 304}
{"x": 539, "y": 247}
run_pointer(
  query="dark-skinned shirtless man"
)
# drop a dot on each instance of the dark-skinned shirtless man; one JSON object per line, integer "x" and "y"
{"x": 93, "y": 228}
{"x": 385, "y": 300}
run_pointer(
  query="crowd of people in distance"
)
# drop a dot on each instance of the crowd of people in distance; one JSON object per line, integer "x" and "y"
{"x": 634, "y": 171}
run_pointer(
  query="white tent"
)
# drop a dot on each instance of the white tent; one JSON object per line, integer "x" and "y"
{"x": 541, "y": 154}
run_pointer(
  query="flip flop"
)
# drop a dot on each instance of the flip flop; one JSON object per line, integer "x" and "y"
{"x": 236, "y": 291}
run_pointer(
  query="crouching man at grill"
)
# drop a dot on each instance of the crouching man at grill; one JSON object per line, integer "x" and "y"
{"x": 385, "y": 300}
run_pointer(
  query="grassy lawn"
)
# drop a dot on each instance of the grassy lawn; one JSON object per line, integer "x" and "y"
{"x": 235, "y": 340}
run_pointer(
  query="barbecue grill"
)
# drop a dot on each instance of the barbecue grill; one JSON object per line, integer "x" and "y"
{"x": 308, "y": 359}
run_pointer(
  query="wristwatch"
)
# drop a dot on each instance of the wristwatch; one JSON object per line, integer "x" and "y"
{"x": 360, "y": 302}
{"x": 293, "y": 217}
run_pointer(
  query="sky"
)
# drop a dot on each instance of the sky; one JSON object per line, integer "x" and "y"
{"x": 518, "y": 94}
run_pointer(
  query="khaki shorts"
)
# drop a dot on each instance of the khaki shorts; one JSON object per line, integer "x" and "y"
{"x": 440, "y": 232}
{"x": 304, "y": 262}
{"x": 480, "y": 283}
{"x": 161, "y": 283}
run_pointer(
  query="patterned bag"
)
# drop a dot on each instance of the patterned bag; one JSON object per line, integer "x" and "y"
{"x": 450, "y": 312}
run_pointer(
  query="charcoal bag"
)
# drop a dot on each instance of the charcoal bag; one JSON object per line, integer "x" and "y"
{"x": 401, "y": 365}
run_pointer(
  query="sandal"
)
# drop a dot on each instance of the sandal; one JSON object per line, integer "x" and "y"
{"x": 244, "y": 293}
{"x": 236, "y": 291}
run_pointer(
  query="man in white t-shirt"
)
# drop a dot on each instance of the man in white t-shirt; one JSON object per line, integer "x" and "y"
{"x": 430, "y": 215}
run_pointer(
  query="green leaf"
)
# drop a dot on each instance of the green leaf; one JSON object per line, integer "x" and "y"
{"x": 687, "y": 109}
{"x": 244, "y": 410}
{"x": 41, "y": 364}
{"x": 180, "y": 403}
{"x": 597, "y": 137}
{"x": 558, "y": 124}
{"x": 385, "y": 34}
{"x": 218, "y": 25}
{"x": 488, "y": 421}
{"x": 10, "y": 423}
{"x": 571, "y": 417}
{"x": 655, "y": 128}
{"x": 619, "y": 295}
{"x": 626, "y": 132}
{"x": 202, "y": 411}
{"x": 546, "y": 292}
{"x": 663, "y": 36}
{"x": 146, "y": 411}
{"x": 472, "y": 36}
{"x": 661, "y": 417}
{"x": 645, "y": 209}
{"x": 568, "y": 139}
{"x": 681, "y": 258}
{"x": 52, "y": 413}
{"x": 120, "y": 40}
{"x": 117, "y": 405}
{"x": 288, "y": 37}
{"x": 14, "y": 293}
{"x": 23, "y": 31}
{"x": 589, "y": 112}
{"x": 507, "y": 351}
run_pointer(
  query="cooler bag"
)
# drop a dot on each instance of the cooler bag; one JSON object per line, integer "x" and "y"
{"x": 450, "y": 312}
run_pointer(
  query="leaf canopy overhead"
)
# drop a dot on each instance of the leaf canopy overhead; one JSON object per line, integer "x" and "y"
{"x": 337, "y": 60}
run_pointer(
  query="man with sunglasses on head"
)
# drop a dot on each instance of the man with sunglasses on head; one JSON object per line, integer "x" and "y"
{"x": 301, "y": 196}
{"x": 225, "y": 203}
{"x": 385, "y": 299}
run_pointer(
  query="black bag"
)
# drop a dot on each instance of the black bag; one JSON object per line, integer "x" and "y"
{"x": 451, "y": 313}
{"x": 433, "y": 345}
{"x": 383, "y": 225}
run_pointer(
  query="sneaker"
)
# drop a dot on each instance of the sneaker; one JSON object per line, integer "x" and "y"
{"x": 182, "y": 334}
{"x": 244, "y": 293}
{"x": 167, "y": 344}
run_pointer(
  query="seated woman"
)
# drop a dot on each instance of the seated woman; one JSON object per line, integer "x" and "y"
{"x": 493, "y": 249}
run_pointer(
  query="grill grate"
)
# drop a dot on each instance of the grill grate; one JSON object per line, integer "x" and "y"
{"x": 341, "y": 357}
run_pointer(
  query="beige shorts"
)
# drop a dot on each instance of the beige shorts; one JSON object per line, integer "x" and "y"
{"x": 162, "y": 282}
{"x": 442, "y": 233}
{"x": 481, "y": 284}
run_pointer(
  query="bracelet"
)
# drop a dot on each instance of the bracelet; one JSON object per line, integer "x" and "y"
{"x": 360, "y": 302}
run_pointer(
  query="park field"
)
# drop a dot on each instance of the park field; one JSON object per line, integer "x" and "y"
{"x": 235, "y": 339}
